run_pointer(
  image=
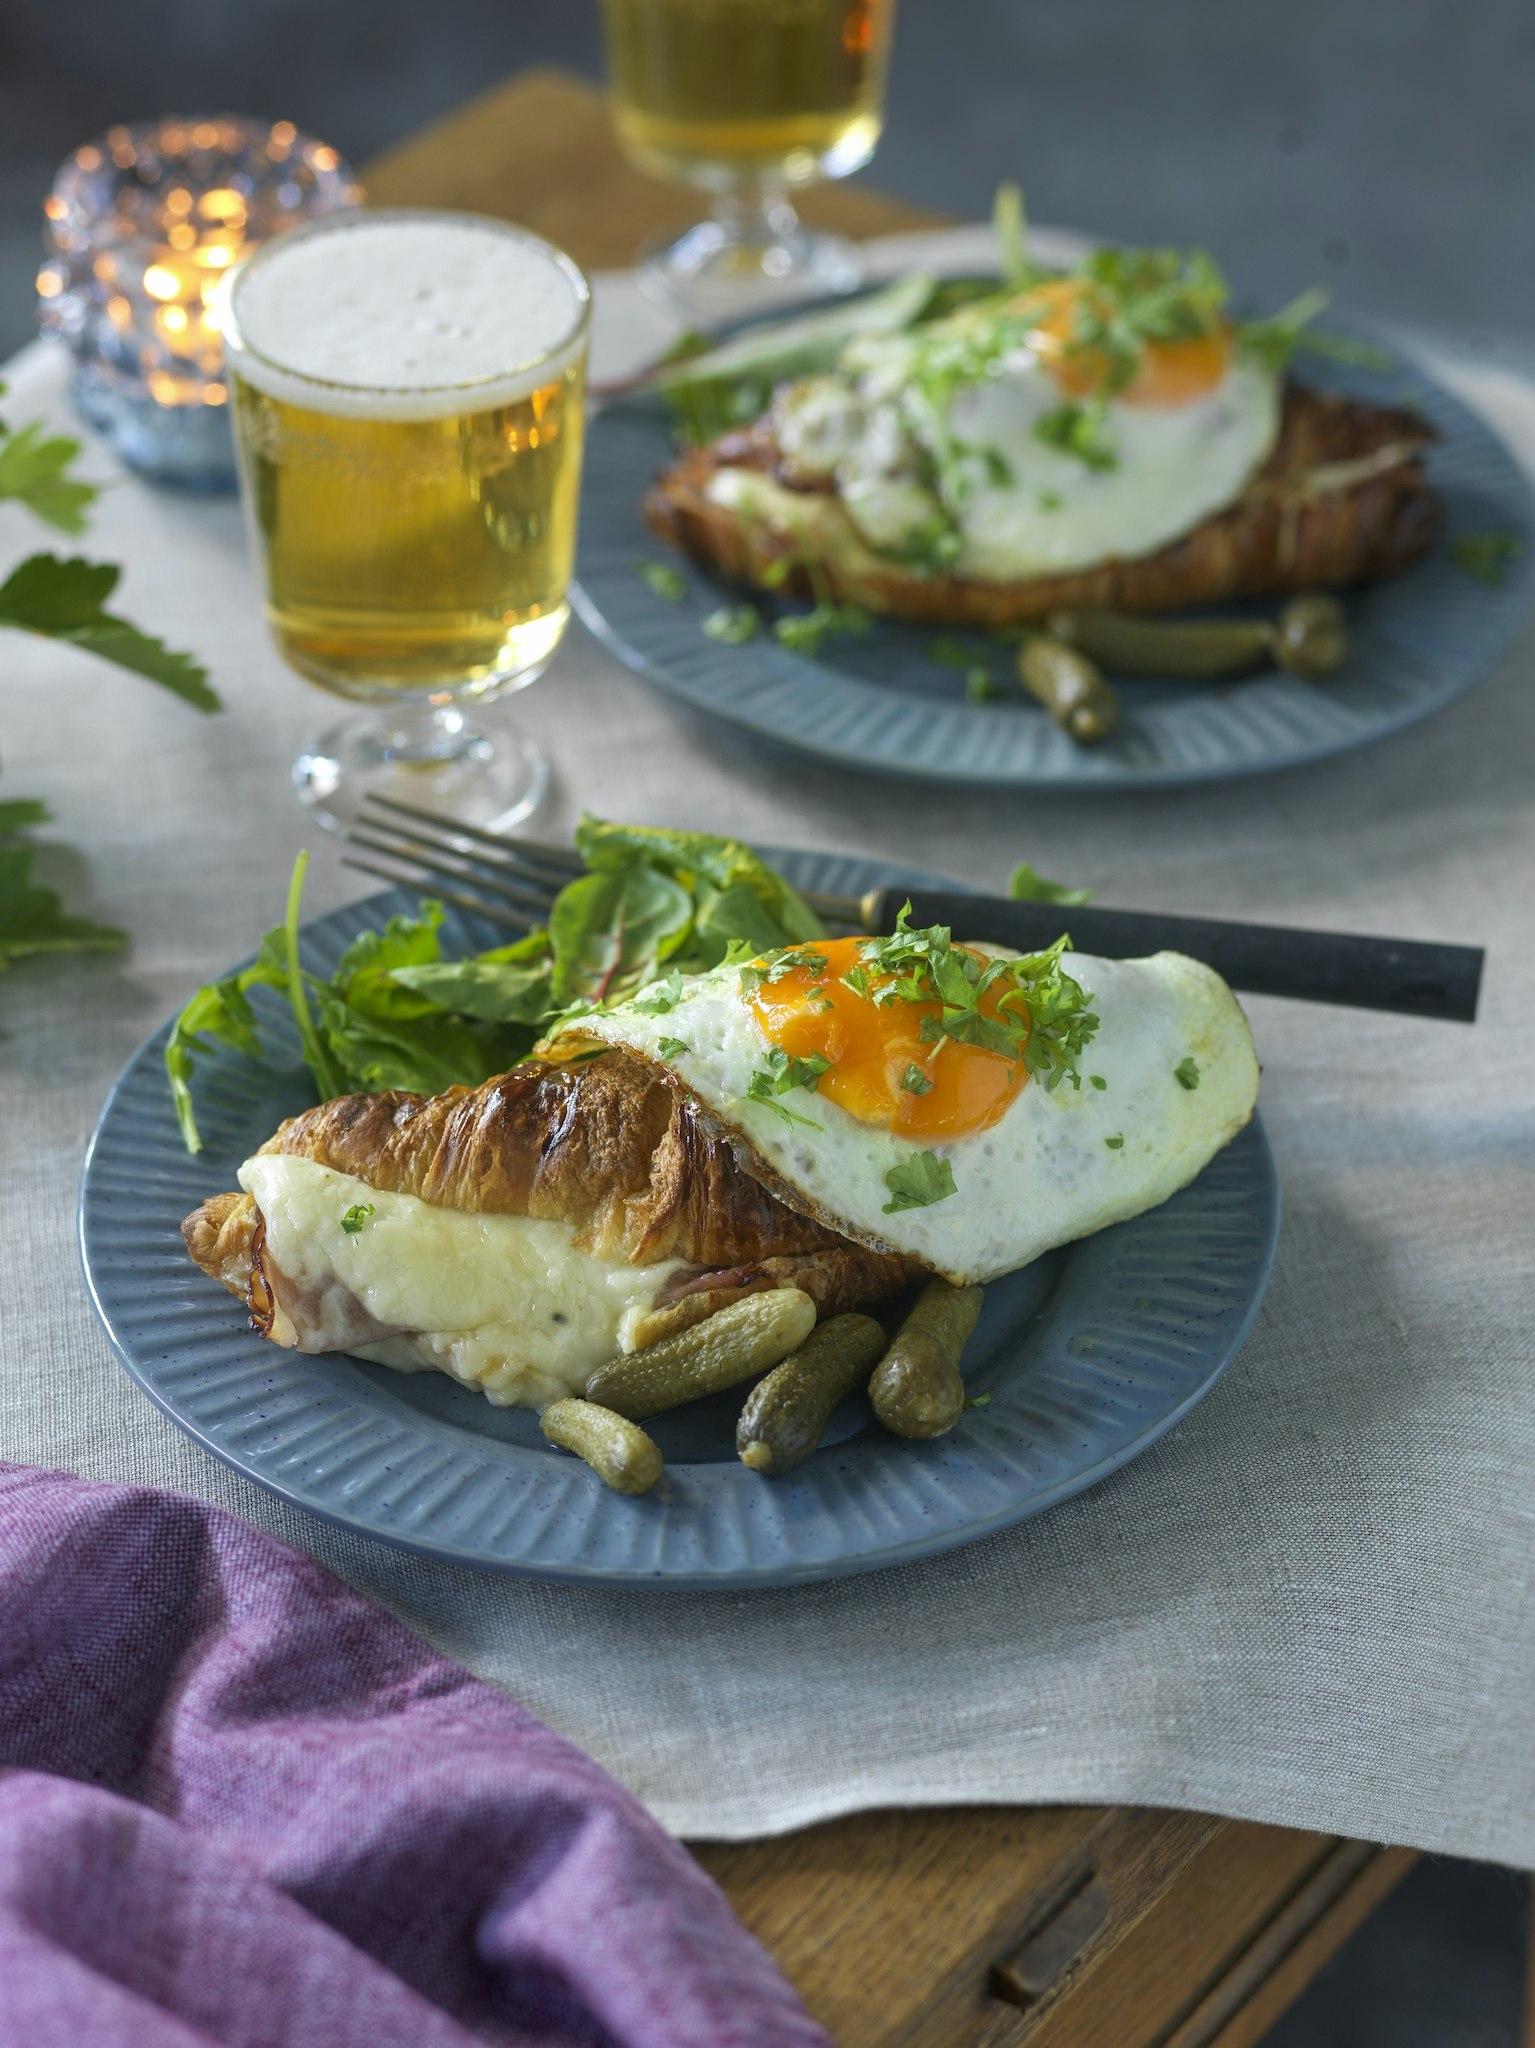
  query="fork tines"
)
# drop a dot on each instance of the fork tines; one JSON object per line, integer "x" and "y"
{"x": 507, "y": 881}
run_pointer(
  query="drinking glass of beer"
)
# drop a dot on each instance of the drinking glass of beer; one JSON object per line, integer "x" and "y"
{"x": 748, "y": 99}
{"x": 407, "y": 390}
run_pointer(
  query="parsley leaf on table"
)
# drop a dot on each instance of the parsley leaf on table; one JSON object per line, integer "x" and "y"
{"x": 32, "y": 917}
{"x": 65, "y": 600}
{"x": 32, "y": 470}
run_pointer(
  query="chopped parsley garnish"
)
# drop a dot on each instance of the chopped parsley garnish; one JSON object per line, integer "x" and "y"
{"x": 857, "y": 979}
{"x": 665, "y": 995}
{"x": 915, "y": 1082}
{"x": 665, "y": 581}
{"x": 783, "y": 1073}
{"x": 979, "y": 687}
{"x": 734, "y": 624}
{"x": 357, "y": 1216}
{"x": 1186, "y": 1073}
{"x": 1116, "y": 1142}
{"x": 1484, "y": 556}
{"x": 1037, "y": 1013}
{"x": 1026, "y": 886}
{"x": 979, "y": 1401}
{"x": 1098, "y": 1081}
{"x": 672, "y": 1048}
{"x": 777, "y": 573}
{"x": 1049, "y": 501}
{"x": 803, "y": 632}
{"x": 950, "y": 653}
{"x": 1078, "y": 430}
{"x": 918, "y": 1182}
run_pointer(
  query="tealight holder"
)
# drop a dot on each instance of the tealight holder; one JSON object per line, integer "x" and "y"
{"x": 143, "y": 226}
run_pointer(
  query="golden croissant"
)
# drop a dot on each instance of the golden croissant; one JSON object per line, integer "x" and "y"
{"x": 516, "y": 1234}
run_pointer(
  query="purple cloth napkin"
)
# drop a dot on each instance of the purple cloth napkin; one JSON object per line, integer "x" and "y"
{"x": 241, "y": 1804}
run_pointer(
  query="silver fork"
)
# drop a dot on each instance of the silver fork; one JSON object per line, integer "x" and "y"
{"x": 507, "y": 881}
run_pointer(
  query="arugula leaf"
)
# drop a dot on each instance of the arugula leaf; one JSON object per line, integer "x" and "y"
{"x": 64, "y": 600}
{"x": 611, "y": 928}
{"x": 1028, "y": 887}
{"x": 918, "y": 1182}
{"x": 32, "y": 470}
{"x": 1484, "y": 556}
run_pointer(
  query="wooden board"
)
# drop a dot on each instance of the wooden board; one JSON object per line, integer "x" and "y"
{"x": 1050, "y": 1927}
{"x": 540, "y": 150}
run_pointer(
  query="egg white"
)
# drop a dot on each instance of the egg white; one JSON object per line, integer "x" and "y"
{"x": 1020, "y": 506}
{"x": 1043, "y": 1175}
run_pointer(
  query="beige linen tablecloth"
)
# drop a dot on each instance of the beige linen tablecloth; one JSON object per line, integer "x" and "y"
{"x": 1311, "y": 1604}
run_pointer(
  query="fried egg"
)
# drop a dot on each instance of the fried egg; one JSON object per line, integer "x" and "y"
{"x": 985, "y": 463}
{"x": 1002, "y": 1166}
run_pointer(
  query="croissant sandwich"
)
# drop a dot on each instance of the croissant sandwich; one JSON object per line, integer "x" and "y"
{"x": 840, "y": 1119}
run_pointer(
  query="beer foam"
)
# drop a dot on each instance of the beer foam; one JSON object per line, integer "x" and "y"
{"x": 392, "y": 316}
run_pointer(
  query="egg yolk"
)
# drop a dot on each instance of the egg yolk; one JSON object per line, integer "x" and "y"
{"x": 882, "y": 1070}
{"x": 1171, "y": 373}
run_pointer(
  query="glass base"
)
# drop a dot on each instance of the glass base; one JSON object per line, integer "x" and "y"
{"x": 431, "y": 757}
{"x": 751, "y": 256}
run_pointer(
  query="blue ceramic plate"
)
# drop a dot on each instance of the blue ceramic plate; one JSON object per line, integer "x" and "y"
{"x": 1088, "y": 1356}
{"x": 879, "y": 702}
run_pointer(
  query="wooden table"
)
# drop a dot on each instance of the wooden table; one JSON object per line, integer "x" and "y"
{"x": 1059, "y": 1927}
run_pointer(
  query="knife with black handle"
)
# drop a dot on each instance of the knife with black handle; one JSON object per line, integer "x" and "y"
{"x": 1412, "y": 977}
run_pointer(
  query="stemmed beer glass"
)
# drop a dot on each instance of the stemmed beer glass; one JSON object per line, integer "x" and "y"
{"x": 748, "y": 100}
{"x": 408, "y": 391}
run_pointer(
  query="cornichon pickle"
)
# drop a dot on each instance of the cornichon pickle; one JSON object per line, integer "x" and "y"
{"x": 618, "y": 1451}
{"x": 784, "y": 1415}
{"x": 916, "y": 1388}
{"x": 1194, "y": 650}
{"x": 731, "y": 1345}
{"x": 1311, "y": 637}
{"x": 1070, "y": 687}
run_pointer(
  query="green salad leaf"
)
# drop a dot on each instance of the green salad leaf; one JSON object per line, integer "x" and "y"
{"x": 394, "y": 1014}
{"x": 65, "y": 600}
{"x": 32, "y": 918}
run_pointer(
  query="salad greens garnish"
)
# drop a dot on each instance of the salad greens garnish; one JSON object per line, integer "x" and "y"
{"x": 1026, "y": 886}
{"x": 1484, "y": 556}
{"x": 918, "y": 1182}
{"x": 357, "y": 1216}
{"x": 664, "y": 580}
{"x": 1186, "y": 1073}
{"x": 653, "y": 906}
{"x": 733, "y": 624}
{"x": 980, "y": 688}
{"x": 805, "y": 632}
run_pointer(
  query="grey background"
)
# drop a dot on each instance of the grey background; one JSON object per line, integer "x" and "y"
{"x": 1385, "y": 148}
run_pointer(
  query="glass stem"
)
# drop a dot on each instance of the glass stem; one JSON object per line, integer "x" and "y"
{"x": 417, "y": 733}
{"x": 756, "y": 217}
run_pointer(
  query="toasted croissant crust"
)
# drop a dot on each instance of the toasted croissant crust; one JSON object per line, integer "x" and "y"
{"x": 1342, "y": 499}
{"x": 610, "y": 1145}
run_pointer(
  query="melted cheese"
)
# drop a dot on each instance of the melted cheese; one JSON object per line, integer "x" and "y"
{"x": 506, "y": 1304}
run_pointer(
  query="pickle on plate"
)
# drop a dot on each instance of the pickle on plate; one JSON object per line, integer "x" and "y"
{"x": 732, "y": 1345}
{"x": 618, "y": 1451}
{"x": 1070, "y": 686}
{"x": 785, "y": 1414}
{"x": 916, "y": 1389}
{"x": 1311, "y": 637}
{"x": 1188, "y": 650}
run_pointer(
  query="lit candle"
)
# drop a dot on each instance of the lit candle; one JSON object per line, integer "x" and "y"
{"x": 144, "y": 225}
